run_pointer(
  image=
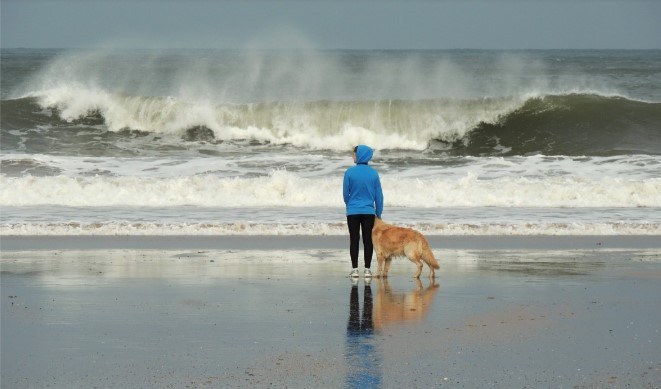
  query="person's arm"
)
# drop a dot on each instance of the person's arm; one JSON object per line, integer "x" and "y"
{"x": 345, "y": 188}
{"x": 378, "y": 198}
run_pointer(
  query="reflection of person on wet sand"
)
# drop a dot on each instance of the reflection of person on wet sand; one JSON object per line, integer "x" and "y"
{"x": 400, "y": 307}
{"x": 362, "y": 359}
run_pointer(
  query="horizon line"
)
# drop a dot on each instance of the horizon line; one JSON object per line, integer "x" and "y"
{"x": 327, "y": 49}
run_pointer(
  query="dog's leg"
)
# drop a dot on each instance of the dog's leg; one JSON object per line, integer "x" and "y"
{"x": 414, "y": 255}
{"x": 387, "y": 267}
{"x": 379, "y": 260}
{"x": 417, "y": 274}
{"x": 431, "y": 273}
{"x": 418, "y": 262}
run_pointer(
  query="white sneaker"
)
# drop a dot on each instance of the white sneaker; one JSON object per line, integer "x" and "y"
{"x": 354, "y": 273}
{"x": 368, "y": 273}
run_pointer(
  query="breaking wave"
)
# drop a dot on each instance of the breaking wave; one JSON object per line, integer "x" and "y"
{"x": 569, "y": 124}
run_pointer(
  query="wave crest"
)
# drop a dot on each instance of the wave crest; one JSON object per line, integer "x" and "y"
{"x": 386, "y": 124}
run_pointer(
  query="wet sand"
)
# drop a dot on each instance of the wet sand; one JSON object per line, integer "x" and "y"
{"x": 261, "y": 242}
{"x": 288, "y": 317}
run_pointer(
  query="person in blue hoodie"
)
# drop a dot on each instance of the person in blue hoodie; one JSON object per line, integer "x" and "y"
{"x": 364, "y": 200}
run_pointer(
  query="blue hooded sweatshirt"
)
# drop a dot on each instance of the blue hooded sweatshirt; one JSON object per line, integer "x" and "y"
{"x": 362, "y": 186}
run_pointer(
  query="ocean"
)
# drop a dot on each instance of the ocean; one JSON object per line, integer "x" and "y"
{"x": 241, "y": 142}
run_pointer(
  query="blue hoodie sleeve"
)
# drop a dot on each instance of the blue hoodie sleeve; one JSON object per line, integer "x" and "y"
{"x": 345, "y": 188}
{"x": 378, "y": 198}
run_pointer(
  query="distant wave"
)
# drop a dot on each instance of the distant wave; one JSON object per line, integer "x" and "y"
{"x": 565, "y": 124}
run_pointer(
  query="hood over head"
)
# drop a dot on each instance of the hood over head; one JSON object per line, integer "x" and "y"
{"x": 363, "y": 154}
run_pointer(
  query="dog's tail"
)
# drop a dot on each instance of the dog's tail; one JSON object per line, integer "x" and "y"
{"x": 428, "y": 256}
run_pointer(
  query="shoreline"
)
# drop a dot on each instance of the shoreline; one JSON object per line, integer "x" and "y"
{"x": 301, "y": 242}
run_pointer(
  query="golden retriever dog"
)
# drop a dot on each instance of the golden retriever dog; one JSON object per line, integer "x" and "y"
{"x": 391, "y": 241}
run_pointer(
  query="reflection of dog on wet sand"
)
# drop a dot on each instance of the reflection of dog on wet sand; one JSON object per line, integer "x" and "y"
{"x": 391, "y": 308}
{"x": 391, "y": 241}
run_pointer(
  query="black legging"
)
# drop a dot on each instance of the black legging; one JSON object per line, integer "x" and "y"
{"x": 355, "y": 223}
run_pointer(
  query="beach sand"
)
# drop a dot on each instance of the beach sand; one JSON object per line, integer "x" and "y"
{"x": 551, "y": 312}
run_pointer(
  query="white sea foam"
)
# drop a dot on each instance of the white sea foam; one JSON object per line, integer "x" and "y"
{"x": 317, "y": 229}
{"x": 241, "y": 161}
{"x": 282, "y": 188}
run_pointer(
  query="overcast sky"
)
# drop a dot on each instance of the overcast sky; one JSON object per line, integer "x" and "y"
{"x": 443, "y": 24}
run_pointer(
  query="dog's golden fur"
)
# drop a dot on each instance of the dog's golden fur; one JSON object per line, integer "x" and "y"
{"x": 391, "y": 241}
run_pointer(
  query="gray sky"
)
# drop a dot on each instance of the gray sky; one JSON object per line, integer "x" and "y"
{"x": 495, "y": 24}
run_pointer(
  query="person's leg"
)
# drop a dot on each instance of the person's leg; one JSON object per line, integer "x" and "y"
{"x": 367, "y": 223}
{"x": 353, "y": 222}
